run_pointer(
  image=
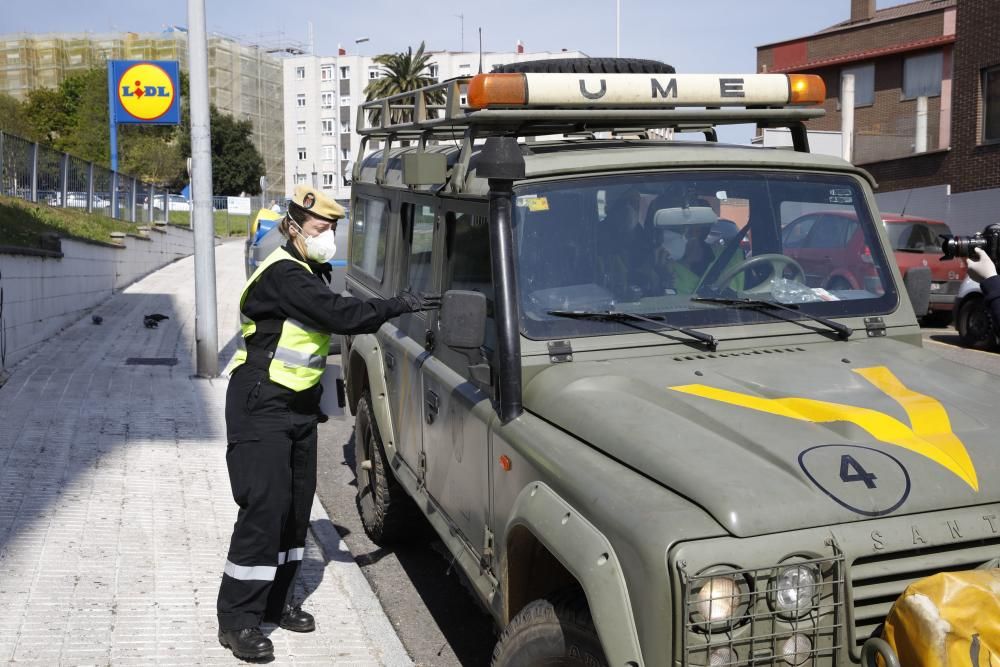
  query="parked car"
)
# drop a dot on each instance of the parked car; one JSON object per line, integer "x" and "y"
{"x": 917, "y": 242}
{"x": 972, "y": 319}
{"x": 78, "y": 200}
{"x": 174, "y": 203}
{"x": 832, "y": 251}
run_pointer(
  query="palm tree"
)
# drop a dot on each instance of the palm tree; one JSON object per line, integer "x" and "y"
{"x": 402, "y": 73}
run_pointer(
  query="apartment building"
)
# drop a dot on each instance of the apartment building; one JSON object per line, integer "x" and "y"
{"x": 321, "y": 98}
{"x": 244, "y": 80}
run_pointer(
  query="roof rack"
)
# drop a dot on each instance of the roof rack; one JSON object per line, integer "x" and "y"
{"x": 531, "y": 105}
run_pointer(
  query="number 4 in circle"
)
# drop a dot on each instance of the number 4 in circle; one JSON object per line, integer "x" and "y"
{"x": 851, "y": 471}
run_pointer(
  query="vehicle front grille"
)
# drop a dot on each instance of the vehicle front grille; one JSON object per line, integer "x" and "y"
{"x": 877, "y": 580}
{"x": 758, "y": 634}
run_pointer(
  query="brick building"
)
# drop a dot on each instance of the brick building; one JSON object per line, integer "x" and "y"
{"x": 945, "y": 50}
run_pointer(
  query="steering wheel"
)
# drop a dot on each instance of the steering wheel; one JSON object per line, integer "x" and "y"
{"x": 776, "y": 261}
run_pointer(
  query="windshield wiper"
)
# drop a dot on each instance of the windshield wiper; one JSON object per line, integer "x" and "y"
{"x": 843, "y": 331}
{"x": 630, "y": 319}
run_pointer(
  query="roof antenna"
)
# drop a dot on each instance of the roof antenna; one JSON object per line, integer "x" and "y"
{"x": 480, "y": 49}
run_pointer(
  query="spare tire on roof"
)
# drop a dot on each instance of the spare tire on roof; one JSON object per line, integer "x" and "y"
{"x": 588, "y": 66}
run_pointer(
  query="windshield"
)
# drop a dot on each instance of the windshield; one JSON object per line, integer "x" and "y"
{"x": 651, "y": 243}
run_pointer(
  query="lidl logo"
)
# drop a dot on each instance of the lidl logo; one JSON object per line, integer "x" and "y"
{"x": 145, "y": 92}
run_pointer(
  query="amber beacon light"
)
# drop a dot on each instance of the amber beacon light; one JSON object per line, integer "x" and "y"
{"x": 806, "y": 89}
{"x": 486, "y": 90}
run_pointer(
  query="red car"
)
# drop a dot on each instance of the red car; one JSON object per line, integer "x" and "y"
{"x": 832, "y": 251}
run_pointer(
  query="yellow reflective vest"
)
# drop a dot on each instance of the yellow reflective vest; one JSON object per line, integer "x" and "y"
{"x": 298, "y": 360}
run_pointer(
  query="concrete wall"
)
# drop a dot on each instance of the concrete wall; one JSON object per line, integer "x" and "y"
{"x": 42, "y": 293}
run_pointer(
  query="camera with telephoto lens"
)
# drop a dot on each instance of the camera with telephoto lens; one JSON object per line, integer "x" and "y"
{"x": 961, "y": 246}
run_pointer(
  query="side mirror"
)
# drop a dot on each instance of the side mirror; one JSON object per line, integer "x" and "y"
{"x": 463, "y": 319}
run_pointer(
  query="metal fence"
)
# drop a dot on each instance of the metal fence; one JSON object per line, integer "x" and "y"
{"x": 38, "y": 173}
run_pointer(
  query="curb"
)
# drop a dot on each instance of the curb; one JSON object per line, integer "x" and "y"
{"x": 377, "y": 625}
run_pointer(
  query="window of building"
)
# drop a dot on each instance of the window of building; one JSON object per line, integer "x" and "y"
{"x": 302, "y": 154}
{"x": 326, "y": 72}
{"x": 432, "y": 69}
{"x": 345, "y": 126}
{"x": 326, "y": 127}
{"x": 464, "y": 69}
{"x": 345, "y": 153}
{"x": 991, "y": 104}
{"x": 326, "y": 100}
{"x": 864, "y": 84}
{"x": 300, "y": 72}
{"x": 922, "y": 75}
{"x": 329, "y": 153}
{"x": 300, "y": 178}
{"x": 300, "y": 100}
{"x": 300, "y": 127}
{"x": 374, "y": 72}
{"x": 345, "y": 72}
{"x": 328, "y": 179}
{"x": 345, "y": 101}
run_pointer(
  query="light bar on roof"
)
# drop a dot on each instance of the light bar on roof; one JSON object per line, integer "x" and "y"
{"x": 534, "y": 90}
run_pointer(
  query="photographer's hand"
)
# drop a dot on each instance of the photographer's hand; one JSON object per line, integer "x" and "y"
{"x": 981, "y": 266}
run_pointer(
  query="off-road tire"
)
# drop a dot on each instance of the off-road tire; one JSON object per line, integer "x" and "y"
{"x": 387, "y": 513}
{"x": 971, "y": 324}
{"x": 556, "y": 631}
{"x": 589, "y": 66}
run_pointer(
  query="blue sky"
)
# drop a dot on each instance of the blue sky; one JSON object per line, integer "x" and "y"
{"x": 692, "y": 35}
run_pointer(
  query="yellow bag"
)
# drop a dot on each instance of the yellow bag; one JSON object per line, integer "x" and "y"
{"x": 946, "y": 620}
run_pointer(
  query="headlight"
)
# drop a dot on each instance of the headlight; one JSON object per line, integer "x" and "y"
{"x": 720, "y": 601}
{"x": 795, "y": 590}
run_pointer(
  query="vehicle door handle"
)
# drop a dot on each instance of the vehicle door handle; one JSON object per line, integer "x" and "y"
{"x": 390, "y": 361}
{"x": 431, "y": 404}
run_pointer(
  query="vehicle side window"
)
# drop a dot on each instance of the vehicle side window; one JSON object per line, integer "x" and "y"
{"x": 796, "y": 233}
{"x": 829, "y": 233}
{"x": 369, "y": 231}
{"x": 421, "y": 236}
{"x": 468, "y": 260}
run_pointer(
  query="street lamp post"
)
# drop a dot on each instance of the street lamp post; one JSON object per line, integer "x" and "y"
{"x": 359, "y": 41}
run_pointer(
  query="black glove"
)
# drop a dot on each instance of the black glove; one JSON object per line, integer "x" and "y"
{"x": 413, "y": 303}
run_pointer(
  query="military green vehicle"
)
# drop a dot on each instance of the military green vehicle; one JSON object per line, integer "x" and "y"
{"x": 645, "y": 431}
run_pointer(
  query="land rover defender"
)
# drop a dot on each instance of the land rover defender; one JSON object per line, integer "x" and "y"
{"x": 645, "y": 443}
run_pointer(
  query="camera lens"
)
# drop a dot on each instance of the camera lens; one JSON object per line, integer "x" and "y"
{"x": 961, "y": 246}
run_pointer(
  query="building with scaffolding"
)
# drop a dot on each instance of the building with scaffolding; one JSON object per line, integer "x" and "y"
{"x": 245, "y": 80}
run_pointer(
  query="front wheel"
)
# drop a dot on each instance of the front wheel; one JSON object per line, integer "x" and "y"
{"x": 554, "y": 631}
{"x": 387, "y": 513}
{"x": 973, "y": 324}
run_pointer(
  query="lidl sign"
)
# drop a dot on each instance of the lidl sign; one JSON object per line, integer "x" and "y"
{"x": 144, "y": 91}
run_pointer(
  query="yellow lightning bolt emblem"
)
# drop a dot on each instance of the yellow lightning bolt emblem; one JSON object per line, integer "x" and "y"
{"x": 929, "y": 435}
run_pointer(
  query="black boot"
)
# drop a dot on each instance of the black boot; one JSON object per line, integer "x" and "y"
{"x": 247, "y": 643}
{"x": 292, "y": 619}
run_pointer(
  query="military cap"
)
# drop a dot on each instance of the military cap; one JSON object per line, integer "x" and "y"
{"x": 316, "y": 203}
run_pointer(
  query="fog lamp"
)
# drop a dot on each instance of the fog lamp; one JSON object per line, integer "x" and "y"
{"x": 796, "y": 589}
{"x": 796, "y": 650}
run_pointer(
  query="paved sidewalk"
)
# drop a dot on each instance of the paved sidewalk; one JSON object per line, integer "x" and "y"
{"x": 115, "y": 507}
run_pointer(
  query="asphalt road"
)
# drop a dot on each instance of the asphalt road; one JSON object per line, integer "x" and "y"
{"x": 438, "y": 620}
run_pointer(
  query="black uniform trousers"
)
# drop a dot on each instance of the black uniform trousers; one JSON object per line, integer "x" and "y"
{"x": 271, "y": 458}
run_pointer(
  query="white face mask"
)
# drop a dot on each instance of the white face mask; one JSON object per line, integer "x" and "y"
{"x": 674, "y": 243}
{"x": 320, "y": 248}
